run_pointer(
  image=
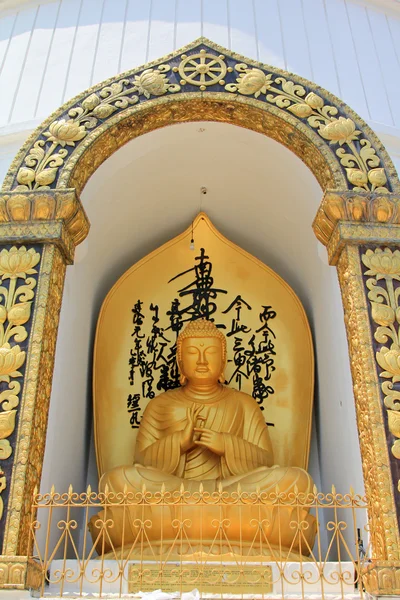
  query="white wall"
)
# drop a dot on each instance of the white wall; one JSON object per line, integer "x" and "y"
{"x": 51, "y": 51}
{"x": 263, "y": 198}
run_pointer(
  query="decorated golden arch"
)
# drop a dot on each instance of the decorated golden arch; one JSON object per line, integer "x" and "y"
{"x": 42, "y": 220}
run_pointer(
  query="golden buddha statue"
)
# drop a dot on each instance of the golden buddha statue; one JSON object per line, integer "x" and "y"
{"x": 205, "y": 432}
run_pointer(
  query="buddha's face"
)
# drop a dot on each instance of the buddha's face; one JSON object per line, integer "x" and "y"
{"x": 202, "y": 361}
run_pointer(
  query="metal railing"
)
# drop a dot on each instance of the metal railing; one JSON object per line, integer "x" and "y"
{"x": 231, "y": 544}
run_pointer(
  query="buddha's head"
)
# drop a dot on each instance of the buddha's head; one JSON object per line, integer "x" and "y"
{"x": 201, "y": 353}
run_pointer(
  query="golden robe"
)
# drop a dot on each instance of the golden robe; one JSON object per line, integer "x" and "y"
{"x": 247, "y": 460}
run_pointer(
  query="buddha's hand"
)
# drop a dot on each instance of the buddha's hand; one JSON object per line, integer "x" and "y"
{"x": 212, "y": 440}
{"x": 187, "y": 438}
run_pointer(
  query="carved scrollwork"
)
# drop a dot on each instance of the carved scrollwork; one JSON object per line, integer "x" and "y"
{"x": 44, "y": 160}
{"x": 203, "y": 67}
{"x": 383, "y": 269}
{"x": 17, "y": 285}
{"x": 376, "y": 467}
{"x": 355, "y": 153}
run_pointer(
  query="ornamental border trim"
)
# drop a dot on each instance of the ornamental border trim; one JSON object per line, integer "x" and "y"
{"x": 336, "y": 144}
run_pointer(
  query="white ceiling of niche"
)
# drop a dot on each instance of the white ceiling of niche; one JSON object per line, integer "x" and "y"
{"x": 259, "y": 195}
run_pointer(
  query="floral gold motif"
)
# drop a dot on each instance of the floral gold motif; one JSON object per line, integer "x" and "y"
{"x": 394, "y": 422}
{"x": 375, "y": 460}
{"x": 65, "y": 133}
{"x": 250, "y": 81}
{"x": 67, "y": 148}
{"x": 51, "y": 206}
{"x": 358, "y": 206}
{"x": 154, "y": 82}
{"x": 203, "y": 65}
{"x": 17, "y": 265}
{"x": 7, "y": 426}
{"x": 362, "y": 165}
{"x": 18, "y": 262}
{"x": 341, "y": 130}
{"x": 34, "y": 401}
{"x": 383, "y": 266}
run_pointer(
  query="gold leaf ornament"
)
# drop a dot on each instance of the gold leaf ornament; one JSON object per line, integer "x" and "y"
{"x": 377, "y": 177}
{"x": 5, "y": 449}
{"x": 389, "y": 361}
{"x": 20, "y": 313}
{"x": 91, "y": 102}
{"x": 396, "y": 450}
{"x": 314, "y": 101}
{"x": 11, "y": 359}
{"x": 382, "y": 209}
{"x": 7, "y": 423}
{"x": 301, "y": 110}
{"x": 151, "y": 82}
{"x": 382, "y": 263}
{"x": 46, "y": 176}
{"x": 339, "y": 131}
{"x": 3, "y": 313}
{"x": 254, "y": 81}
{"x": 65, "y": 133}
{"x": 357, "y": 177}
{"x": 18, "y": 262}
{"x": 25, "y": 175}
{"x": 104, "y": 110}
{"x": 383, "y": 314}
{"x": 394, "y": 428}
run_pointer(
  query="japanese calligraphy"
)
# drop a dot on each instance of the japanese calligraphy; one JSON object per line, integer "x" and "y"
{"x": 152, "y": 361}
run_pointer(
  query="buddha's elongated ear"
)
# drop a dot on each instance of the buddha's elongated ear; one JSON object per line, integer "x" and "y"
{"x": 182, "y": 377}
{"x": 222, "y": 378}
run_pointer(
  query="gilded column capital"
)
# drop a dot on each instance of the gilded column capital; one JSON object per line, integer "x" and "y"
{"x": 382, "y": 578}
{"x": 56, "y": 216}
{"x": 357, "y": 217}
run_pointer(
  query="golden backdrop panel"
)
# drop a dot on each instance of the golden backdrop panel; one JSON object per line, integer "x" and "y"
{"x": 270, "y": 352}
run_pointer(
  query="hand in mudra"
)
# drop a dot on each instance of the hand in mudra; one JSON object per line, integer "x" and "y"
{"x": 187, "y": 439}
{"x": 212, "y": 440}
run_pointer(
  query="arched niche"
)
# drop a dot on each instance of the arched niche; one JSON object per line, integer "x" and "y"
{"x": 201, "y": 82}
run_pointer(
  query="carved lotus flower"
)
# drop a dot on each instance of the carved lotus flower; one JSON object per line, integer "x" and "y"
{"x": 382, "y": 209}
{"x": 104, "y": 110}
{"x": 377, "y": 177}
{"x": 389, "y": 361}
{"x": 382, "y": 263}
{"x": 394, "y": 422}
{"x": 357, "y": 177}
{"x": 91, "y": 102}
{"x": 25, "y": 175}
{"x": 18, "y": 262}
{"x": 65, "y": 133}
{"x": 7, "y": 423}
{"x": 47, "y": 176}
{"x": 11, "y": 359}
{"x": 301, "y": 110}
{"x": 254, "y": 82}
{"x": 382, "y": 314}
{"x": 151, "y": 82}
{"x": 340, "y": 131}
{"x": 314, "y": 100}
{"x": 20, "y": 313}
